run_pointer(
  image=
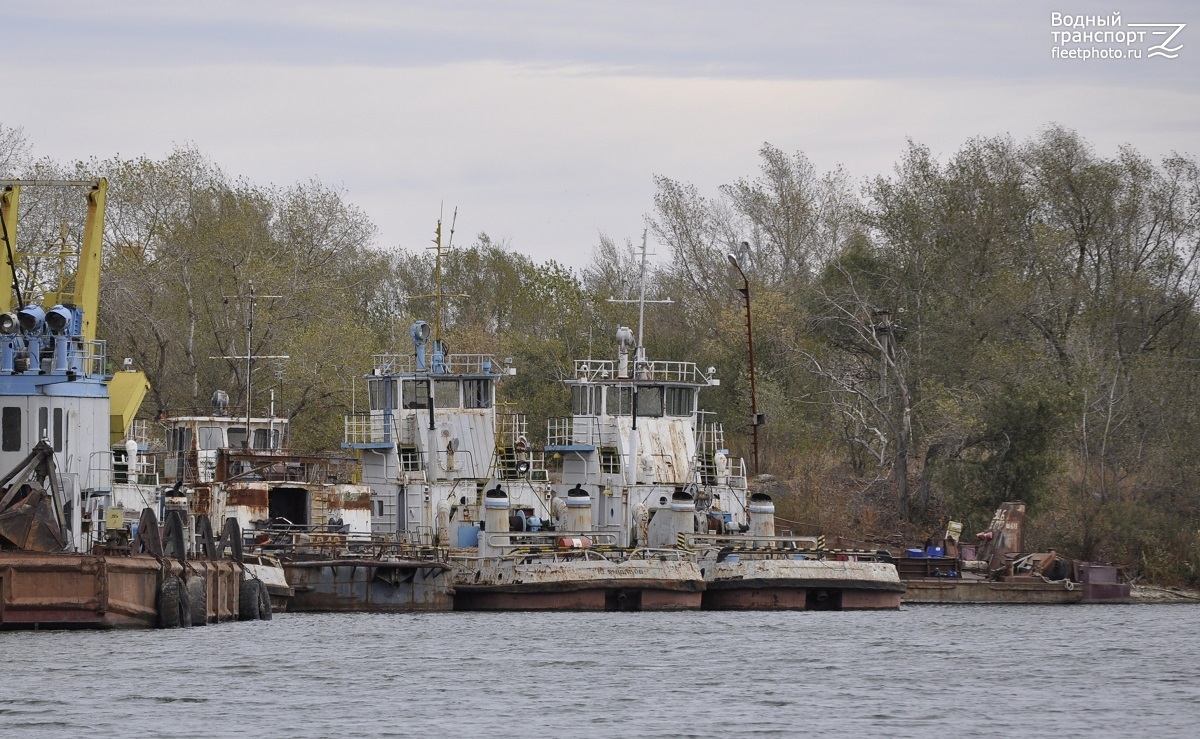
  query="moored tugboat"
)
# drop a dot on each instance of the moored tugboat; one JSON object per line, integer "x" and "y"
{"x": 659, "y": 476}
{"x": 306, "y": 523}
{"x": 449, "y": 472}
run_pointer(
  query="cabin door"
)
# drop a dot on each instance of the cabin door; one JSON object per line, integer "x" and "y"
{"x": 290, "y": 504}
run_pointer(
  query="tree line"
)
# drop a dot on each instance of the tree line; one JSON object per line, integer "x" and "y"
{"x": 1016, "y": 321}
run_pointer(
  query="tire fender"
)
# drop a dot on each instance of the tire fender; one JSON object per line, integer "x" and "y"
{"x": 248, "y": 601}
{"x": 264, "y": 602}
{"x": 197, "y": 590}
{"x": 174, "y": 609}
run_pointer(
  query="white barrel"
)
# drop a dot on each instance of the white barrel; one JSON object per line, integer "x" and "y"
{"x": 761, "y": 513}
{"x": 579, "y": 509}
{"x": 669, "y": 522}
{"x": 495, "y": 519}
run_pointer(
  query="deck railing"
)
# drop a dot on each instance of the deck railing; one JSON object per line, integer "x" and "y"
{"x": 95, "y": 357}
{"x": 328, "y": 540}
{"x": 451, "y": 364}
{"x": 566, "y": 431}
{"x": 368, "y": 428}
{"x": 593, "y": 370}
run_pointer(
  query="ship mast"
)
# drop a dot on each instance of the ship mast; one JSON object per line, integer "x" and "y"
{"x": 438, "y": 295}
{"x": 250, "y": 356}
{"x": 640, "y": 355}
{"x": 639, "y": 361}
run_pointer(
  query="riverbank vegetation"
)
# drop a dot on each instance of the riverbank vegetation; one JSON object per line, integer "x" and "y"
{"x": 1014, "y": 321}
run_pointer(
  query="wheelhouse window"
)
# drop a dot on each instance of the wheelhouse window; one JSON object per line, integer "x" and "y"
{"x": 650, "y": 401}
{"x": 680, "y": 401}
{"x": 619, "y": 401}
{"x": 10, "y": 423}
{"x": 211, "y": 437}
{"x": 477, "y": 393}
{"x": 382, "y": 394}
{"x": 43, "y": 424}
{"x": 237, "y": 437}
{"x": 416, "y": 393}
{"x": 266, "y": 438}
{"x": 445, "y": 394}
{"x": 585, "y": 400}
{"x": 181, "y": 440}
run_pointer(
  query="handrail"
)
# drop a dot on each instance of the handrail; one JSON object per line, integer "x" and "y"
{"x": 367, "y": 428}
{"x": 99, "y": 476}
{"x": 655, "y": 553}
{"x": 322, "y": 538}
{"x": 547, "y": 538}
{"x": 454, "y": 364}
{"x": 95, "y": 357}
{"x": 605, "y": 370}
{"x": 554, "y": 555}
{"x": 749, "y": 539}
{"x": 566, "y": 430}
{"x": 443, "y": 458}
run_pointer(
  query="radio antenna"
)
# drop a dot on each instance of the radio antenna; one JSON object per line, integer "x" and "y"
{"x": 437, "y": 294}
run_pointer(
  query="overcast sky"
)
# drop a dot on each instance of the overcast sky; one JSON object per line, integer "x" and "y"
{"x": 545, "y": 121}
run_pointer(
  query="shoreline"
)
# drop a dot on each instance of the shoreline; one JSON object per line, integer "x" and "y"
{"x": 1157, "y": 594}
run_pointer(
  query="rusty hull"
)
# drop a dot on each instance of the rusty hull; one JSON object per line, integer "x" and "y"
{"x": 370, "y": 585}
{"x": 223, "y": 580}
{"x": 800, "y": 599}
{"x": 593, "y": 599}
{"x": 46, "y": 591}
{"x": 969, "y": 589}
{"x": 585, "y": 585}
{"x": 1101, "y": 585}
{"x": 786, "y": 584}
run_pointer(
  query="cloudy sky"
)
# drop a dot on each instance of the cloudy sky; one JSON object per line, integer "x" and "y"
{"x": 545, "y": 121}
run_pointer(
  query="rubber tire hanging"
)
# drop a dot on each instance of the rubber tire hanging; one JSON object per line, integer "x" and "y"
{"x": 197, "y": 591}
{"x": 264, "y": 602}
{"x": 248, "y": 601}
{"x": 174, "y": 609}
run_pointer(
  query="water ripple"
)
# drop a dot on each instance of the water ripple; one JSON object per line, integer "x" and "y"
{"x": 1003, "y": 671}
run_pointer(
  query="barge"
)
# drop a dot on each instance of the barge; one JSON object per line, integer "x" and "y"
{"x": 998, "y": 571}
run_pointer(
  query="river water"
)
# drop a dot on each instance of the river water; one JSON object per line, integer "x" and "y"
{"x": 925, "y": 671}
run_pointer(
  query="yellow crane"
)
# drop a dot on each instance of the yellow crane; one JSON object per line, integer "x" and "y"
{"x": 126, "y": 389}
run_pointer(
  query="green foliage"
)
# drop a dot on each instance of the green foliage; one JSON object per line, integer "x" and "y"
{"x": 1012, "y": 457}
{"x": 184, "y": 244}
